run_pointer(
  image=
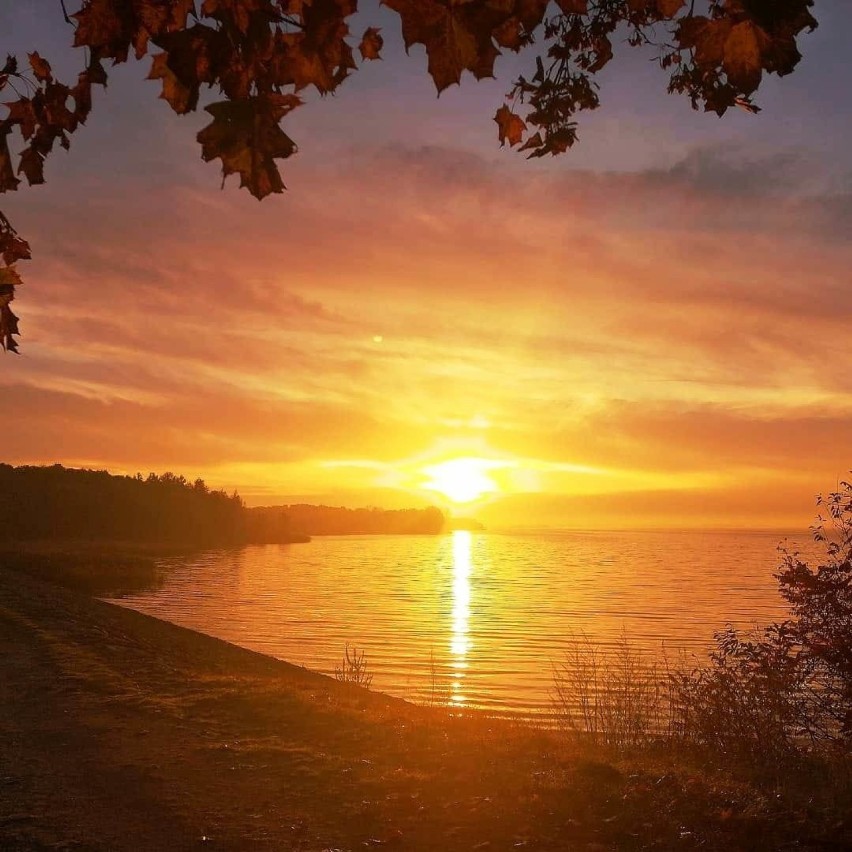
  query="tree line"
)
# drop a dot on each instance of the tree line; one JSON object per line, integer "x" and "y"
{"x": 58, "y": 503}
{"x": 337, "y": 520}
{"x": 55, "y": 503}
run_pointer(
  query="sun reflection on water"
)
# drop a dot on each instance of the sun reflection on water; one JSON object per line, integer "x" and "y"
{"x": 460, "y": 641}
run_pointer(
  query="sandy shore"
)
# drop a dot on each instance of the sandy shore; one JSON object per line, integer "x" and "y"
{"x": 121, "y": 732}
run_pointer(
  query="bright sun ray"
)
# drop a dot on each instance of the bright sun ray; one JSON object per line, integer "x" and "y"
{"x": 461, "y": 480}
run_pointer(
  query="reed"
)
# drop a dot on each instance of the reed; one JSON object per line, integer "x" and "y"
{"x": 354, "y": 668}
{"x": 615, "y": 699}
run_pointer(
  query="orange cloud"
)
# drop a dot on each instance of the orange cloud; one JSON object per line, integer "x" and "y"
{"x": 683, "y": 330}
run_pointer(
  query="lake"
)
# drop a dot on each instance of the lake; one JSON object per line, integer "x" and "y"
{"x": 476, "y": 619}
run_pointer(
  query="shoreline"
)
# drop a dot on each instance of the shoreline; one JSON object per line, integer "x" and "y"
{"x": 125, "y": 732}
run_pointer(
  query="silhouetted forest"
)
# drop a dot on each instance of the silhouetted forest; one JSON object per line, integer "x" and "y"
{"x": 65, "y": 504}
{"x": 337, "y": 520}
{"x": 58, "y": 503}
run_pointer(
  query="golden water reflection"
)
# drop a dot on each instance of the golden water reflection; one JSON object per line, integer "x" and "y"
{"x": 460, "y": 639}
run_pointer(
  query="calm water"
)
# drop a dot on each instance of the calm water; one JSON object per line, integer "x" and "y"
{"x": 492, "y": 611}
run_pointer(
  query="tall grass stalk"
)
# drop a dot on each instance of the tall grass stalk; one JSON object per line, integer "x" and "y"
{"x": 615, "y": 699}
{"x": 353, "y": 668}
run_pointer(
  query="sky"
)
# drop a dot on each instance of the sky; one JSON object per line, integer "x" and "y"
{"x": 649, "y": 331}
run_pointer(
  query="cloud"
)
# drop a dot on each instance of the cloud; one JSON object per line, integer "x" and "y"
{"x": 685, "y": 320}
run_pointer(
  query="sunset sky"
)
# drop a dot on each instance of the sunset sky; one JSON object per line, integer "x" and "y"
{"x": 652, "y": 330}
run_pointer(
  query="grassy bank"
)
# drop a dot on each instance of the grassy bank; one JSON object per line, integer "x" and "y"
{"x": 123, "y": 732}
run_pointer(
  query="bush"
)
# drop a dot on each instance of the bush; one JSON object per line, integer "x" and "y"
{"x": 766, "y": 696}
{"x": 613, "y": 700}
{"x": 820, "y": 630}
{"x": 745, "y": 704}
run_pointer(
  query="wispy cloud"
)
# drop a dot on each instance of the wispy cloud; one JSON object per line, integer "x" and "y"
{"x": 665, "y": 323}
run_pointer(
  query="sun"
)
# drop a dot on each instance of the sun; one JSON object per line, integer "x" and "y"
{"x": 462, "y": 480}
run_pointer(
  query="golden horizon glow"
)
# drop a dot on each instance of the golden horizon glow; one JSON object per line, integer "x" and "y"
{"x": 666, "y": 382}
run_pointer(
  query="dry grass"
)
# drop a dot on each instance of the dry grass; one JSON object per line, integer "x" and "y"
{"x": 353, "y": 668}
{"x": 615, "y": 699}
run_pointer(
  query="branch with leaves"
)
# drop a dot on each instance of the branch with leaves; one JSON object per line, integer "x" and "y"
{"x": 260, "y": 55}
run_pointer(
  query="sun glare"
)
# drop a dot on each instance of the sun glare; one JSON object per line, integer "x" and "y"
{"x": 461, "y": 480}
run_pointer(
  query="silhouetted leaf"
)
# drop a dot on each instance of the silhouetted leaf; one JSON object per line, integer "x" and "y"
{"x": 245, "y": 135}
{"x": 41, "y": 68}
{"x": 510, "y": 126}
{"x": 371, "y": 44}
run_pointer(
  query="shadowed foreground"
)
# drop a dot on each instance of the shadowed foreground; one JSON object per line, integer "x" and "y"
{"x": 123, "y": 732}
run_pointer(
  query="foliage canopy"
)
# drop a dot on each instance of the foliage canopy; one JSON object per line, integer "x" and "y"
{"x": 768, "y": 694}
{"x": 260, "y": 55}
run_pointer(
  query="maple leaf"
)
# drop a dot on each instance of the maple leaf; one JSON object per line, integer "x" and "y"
{"x": 8, "y": 327}
{"x": 153, "y": 18}
{"x": 457, "y": 36}
{"x": 32, "y": 165}
{"x": 12, "y": 247}
{"x": 245, "y": 135}
{"x": 9, "y": 279}
{"x": 198, "y": 54}
{"x": 105, "y": 27}
{"x": 511, "y": 127}
{"x": 8, "y": 181}
{"x": 21, "y": 112}
{"x": 181, "y": 98}
{"x": 41, "y": 68}
{"x": 371, "y": 44}
{"x": 318, "y": 55}
{"x": 742, "y": 59}
{"x": 54, "y": 101}
{"x": 573, "y": 7}
{"x": 706, "y": 38}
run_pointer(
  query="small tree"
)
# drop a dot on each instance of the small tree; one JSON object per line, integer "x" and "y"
{"x": 820, "y": 630}
{"x": 766, "y": 695}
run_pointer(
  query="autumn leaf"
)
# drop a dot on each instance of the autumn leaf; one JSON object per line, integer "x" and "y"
{"x": 54, "y": 101}
{"x": 511, "y": 127}
{"x": 742, "y": 57}
{"x": 573, "y": 7}
{"x": 245, "y": 135}
{"x": 181, "y": 98}
{"x": 8, "y": 181}
{"x": 371, "y": 44}
{"x": 12, "y": 247}
{"x": 9, "y": 279}
{"x": 21, "y": 112}
{"x": 8, "y": 327}
{"x": 705, "y": 38}
{"x": 199, "y": 54}
{"x": 457, "y": 36}
{"x": 41, "y": 68}
{"x": 319, "y": 55}
{"x": 105, "y": 27}
{"x": 32, "y": 165}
